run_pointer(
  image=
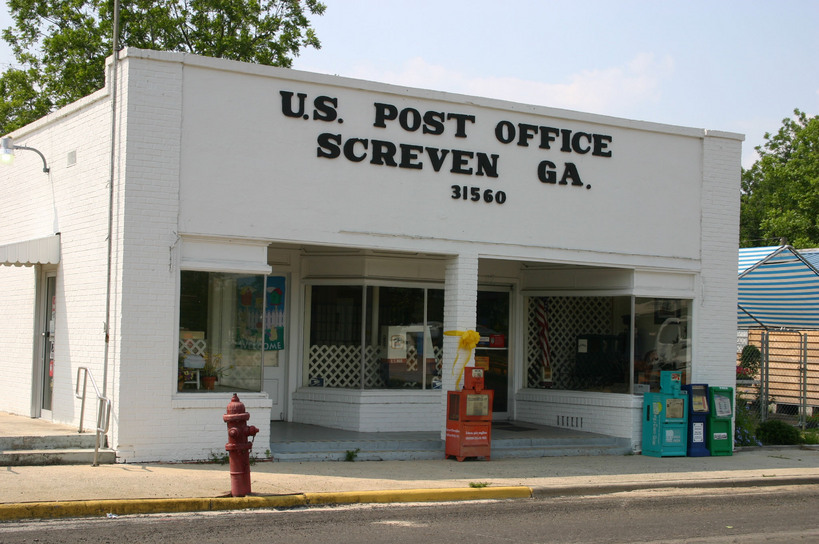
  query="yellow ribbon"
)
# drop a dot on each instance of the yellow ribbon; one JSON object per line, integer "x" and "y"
{"x": 467, "y": 343}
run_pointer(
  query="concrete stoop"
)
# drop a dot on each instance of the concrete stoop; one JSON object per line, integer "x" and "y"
{"x": 69, "y": 449}
{"x": 411, "y": 450}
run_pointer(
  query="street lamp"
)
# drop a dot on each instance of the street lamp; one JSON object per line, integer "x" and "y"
{"x": 7, "y": 147}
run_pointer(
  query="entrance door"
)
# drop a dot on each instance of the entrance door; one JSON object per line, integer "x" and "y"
{"x": 492, "y": 352}
{"x": 46, "y": 347}
{"x": 274, "y": 369}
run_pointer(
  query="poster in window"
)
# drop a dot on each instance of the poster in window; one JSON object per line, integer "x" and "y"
{"x": 260, "y": 306}
{"x": 249, "y": 303}
{"x": 274, "y": 313}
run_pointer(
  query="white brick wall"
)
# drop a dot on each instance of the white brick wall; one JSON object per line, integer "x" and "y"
{"x": 715, "y": 318}
{"x": 604, "y": 413}
{"x": 17, "y": 294}
{"x": 460, "y": 314}
{"x": 368, "y": 410}
{"x": 71, "y": 200}
{"x": 151, "y": 418}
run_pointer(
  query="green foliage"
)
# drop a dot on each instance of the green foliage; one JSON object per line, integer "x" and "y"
{"x": 745, "y": 423}
{"x": 749, "y": 362}
{"x": 478, "y": 484}
{"x": 780, "y": 192}
{"x": 219, "y": 457}
{"x": 777, "y": 432}
{"x": 22, "y": 103}
{"x": 61, "y": 45}
{"x": 810, "y": 437}
{"x": 350, "y": 455}
{"x": 750, "y": 358}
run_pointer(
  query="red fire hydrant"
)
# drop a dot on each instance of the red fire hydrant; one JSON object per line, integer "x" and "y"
{"x": 238, "y": 446}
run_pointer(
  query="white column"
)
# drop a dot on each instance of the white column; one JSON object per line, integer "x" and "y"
{"x": 460, "y": 314}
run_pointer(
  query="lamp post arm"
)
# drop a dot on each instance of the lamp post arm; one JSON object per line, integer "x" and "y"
{"x": 46, "y": 169}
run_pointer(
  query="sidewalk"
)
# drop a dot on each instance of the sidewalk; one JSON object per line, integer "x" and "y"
{"x": 68, "y": 491}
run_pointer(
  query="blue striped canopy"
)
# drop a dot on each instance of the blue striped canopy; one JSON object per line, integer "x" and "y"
{"x": 778, "y": 289}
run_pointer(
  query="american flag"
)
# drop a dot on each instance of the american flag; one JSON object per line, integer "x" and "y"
{"x": 542, "y": 316}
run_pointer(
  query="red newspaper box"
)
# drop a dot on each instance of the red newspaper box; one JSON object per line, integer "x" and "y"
{"x": 469, "y": 419}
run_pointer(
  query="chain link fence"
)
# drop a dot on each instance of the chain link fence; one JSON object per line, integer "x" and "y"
{"x": 778, "y": 376}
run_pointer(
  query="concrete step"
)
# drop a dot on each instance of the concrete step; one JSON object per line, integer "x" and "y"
{"x": 55, "y": 456}
{"x": 405, "y": 450}
{"x": 335, "y": 455}
{"x": 61, "y": 441}
{"x": 559, "y": 451}
{"x": 54, "y": 449}
{"x": 345, "y": 445}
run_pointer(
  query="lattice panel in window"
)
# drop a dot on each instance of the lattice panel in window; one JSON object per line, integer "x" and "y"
{"x": 193, "y": 346}
{"x": 339, "y": 366}
{"x": 568, "y": 317}
{"x": 335, "y": 366}
{"x": 373, "y": 378}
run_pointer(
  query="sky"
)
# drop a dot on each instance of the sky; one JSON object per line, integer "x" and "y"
{"x": 731, "y": 65}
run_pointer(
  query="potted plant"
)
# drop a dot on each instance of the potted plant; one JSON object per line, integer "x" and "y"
{"x": 211, "y": 371}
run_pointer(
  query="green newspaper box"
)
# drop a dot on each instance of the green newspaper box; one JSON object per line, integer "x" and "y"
{"x": 720, "y": 432}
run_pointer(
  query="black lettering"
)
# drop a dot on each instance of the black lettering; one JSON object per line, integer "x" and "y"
{"x": 434, "y": 122}
{"x": 410, "y": 119}
{"x": 460, "y": 119}
{"x": 505, "y": 132}
{"x": 328, "y": 145}
{"x": 349, "y": 149}
{"x": 601, "y": 142}
{"x": 409, "y": 156}
{"x": 384, "y": 112}
{"x": 567, "y": 143}
{"x": 525, "y": 133}
{"x": 547, "y": 136}
{"x": 325, "y": 108}
{"x": 570, "y": 173}
{"x": 287, "y": 104}
{"x": 437, "y": 156}
{"x": 460, "y": 160}
{"x": 576, "y": 142}
{"x": 487, "y": 167}
{"x": 383, "y": 153}
{"x": 546, "y": 172}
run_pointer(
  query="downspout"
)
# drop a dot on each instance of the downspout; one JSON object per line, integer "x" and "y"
{"x": 112, "y": 160}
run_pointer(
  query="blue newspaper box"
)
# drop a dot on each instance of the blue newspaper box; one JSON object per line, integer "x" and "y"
{"x": 698, "y": 411}
{"x": 665, "y": 418}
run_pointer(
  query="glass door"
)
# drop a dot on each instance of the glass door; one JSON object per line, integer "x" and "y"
{"x": 492, "y": 352}
{"x": 47, "y": 347}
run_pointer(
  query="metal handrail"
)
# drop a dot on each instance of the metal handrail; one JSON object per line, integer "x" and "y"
{"x": 103, "y": 408}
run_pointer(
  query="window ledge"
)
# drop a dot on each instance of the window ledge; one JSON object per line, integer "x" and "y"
{"x": 219, "y": 400}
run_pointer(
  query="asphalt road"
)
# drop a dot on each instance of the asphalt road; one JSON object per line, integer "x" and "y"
{"x": 749, "y": 516}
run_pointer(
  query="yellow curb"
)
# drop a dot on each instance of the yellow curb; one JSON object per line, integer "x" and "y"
{"x": 420, "y": 495}
{"x": 64, "y": 509}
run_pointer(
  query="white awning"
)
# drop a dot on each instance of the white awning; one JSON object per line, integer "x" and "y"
{"x": 30, "y": 252}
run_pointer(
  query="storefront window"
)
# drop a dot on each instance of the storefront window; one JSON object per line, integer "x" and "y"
{"x": 662, "y": 340}
{"x": 400, "y": 345}
{"x": 222, "y": 332}
{"x": 583, "y": 343}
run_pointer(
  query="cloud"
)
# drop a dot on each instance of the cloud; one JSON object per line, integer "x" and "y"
{"x": 616, "y": 90}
